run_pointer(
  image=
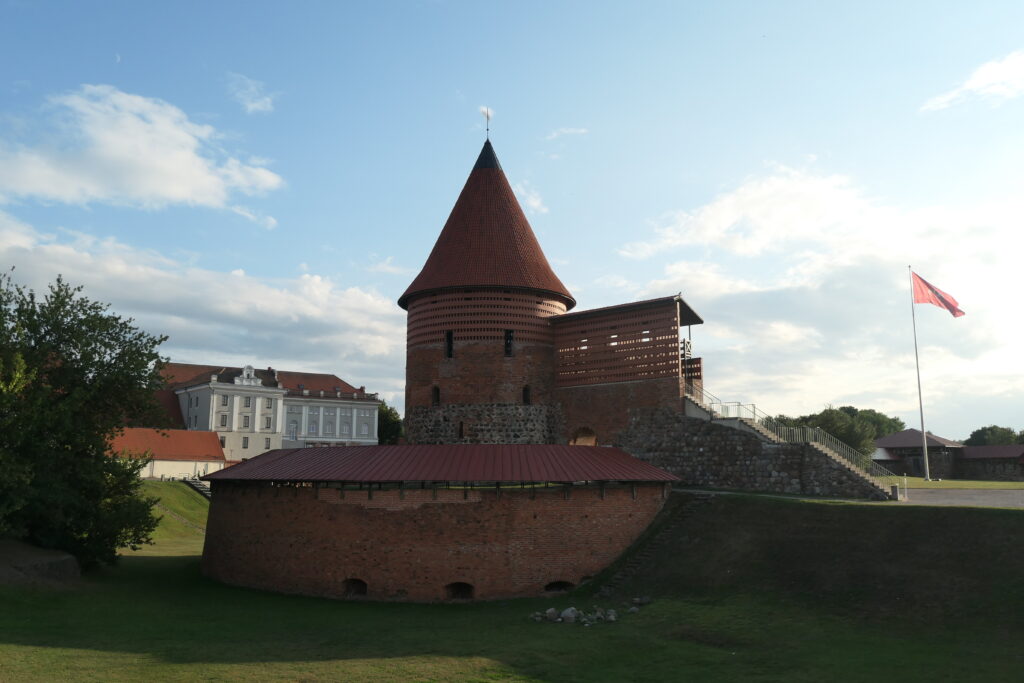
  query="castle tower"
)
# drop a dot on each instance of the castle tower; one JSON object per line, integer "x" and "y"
{"x": 480, "y": 350}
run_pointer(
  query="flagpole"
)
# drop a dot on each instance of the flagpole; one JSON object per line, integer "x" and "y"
{"x": 917, "y": 363}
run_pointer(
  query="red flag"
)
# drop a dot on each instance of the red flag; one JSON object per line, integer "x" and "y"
{"x": 925, "y": 293}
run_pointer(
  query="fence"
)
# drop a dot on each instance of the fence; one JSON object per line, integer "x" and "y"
{"x": 774, "y": 428}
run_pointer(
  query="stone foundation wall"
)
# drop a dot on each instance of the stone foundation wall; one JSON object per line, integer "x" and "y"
{"x": 483, "y": 423}
{"x": 990, "y": 470}
{"x": 706, "y": 454}
{"x": 411, "y": 544}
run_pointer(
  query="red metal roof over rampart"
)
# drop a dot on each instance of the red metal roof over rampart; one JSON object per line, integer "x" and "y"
{"x": 452, "y": 463}
{"x": 487, "y": 242}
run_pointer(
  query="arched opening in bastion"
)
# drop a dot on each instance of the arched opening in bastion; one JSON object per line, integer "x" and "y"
{"x": 458, "y": 591}
{"x": 559, "y": 587}
{"x": 584, "y": 436}
{"x": 353, "y": 588}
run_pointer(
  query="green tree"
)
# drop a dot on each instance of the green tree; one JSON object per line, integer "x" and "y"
{"x": 993, "y": 435}
{"x": 71, "y": 375}
{"x": 389, "y": 424}
{"x": 855, "y": 427}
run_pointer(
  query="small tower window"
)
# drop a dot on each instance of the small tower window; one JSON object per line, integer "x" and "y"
{"x": 462, "y": 431}
{"x": 526, "y": 395}
{"x": 508, "y": 342}
{"x": 435, "y": 396}
{"x": 449, "y": 344}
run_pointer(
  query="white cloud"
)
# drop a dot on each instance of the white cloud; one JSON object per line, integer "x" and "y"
{"x": 106, "y": 145}
{"x": 529, "y": 196}
{"x": 559, "y": 132}
{"x": 802, "y": 281}
{"x": 998, "y": 80}
{"x": 309, "y": 322}
{"x": 386, "y": 266}
{"x": 249, "y": 93}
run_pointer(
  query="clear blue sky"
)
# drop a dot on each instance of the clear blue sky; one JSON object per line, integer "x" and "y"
{"x": 260, "y": 181}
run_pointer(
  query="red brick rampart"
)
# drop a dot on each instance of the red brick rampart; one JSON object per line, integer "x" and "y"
{"x": 412, "y": 544}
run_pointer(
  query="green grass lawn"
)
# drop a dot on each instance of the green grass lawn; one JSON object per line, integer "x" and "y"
{"x": 747, "y": 590}
{"x": 920, "y": 483}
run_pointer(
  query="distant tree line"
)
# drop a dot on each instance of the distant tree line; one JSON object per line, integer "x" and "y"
{"x": 994, "y": 435}
{"x": 855, "y": 427}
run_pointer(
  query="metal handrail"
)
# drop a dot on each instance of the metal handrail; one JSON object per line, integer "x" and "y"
{"x": 810, "y": 435}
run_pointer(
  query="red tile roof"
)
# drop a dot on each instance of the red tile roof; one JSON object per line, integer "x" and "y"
{"x": 315, "y": 382}
{"x": 169, "y": 444}
{"x": 487, "y": 241}
{"x": 452, "y": 463}
{"x": 986, "y": 452}
{"x": 180, "y": 375}
{"x": 169, "y": 402}
{"x": 911, "y": 438}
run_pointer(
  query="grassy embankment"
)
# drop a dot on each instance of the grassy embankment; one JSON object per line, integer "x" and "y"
{"x": 746, "y": 589}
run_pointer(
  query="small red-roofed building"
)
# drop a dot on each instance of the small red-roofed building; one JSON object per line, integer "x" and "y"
{"x": 176, "y": 453}
{"x": 992, "y": 463}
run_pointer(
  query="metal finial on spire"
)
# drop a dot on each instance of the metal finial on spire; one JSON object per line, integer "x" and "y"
{"x": 486, "y": 111}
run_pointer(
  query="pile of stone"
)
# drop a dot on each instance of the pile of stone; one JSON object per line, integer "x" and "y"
{"x": 596, "y": 615}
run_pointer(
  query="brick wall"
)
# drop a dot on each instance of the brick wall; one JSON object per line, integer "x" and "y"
{"x": 411, "y": 544}
{"x": 703, "y": 453}
{"x": 605, "y": 409}
{"x": 479, "y": 370}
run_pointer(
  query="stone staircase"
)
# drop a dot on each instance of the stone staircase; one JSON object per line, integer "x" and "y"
{"x": 817, "y": 439}
{"x": 664, "y": 528}
{"x": 201, "y": 487}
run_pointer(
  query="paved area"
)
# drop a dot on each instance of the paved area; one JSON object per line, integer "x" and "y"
{"x": 989, "y": 498}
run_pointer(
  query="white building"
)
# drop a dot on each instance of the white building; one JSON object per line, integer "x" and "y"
{"x": 254, "y": 411}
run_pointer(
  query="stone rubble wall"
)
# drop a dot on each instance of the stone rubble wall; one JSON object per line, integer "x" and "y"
{"x": 706, "y": 454}
{"x": 488, "y": 423}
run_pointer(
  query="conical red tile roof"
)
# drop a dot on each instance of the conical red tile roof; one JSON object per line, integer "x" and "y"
{"x": 487, "y": 241}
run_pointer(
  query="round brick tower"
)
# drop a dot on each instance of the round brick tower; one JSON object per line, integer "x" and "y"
{"x": 479, "y": 349}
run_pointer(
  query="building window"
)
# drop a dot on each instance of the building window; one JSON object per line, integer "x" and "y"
{"x": 345, "y": 429}
{"x": 526, "y": 395}
{"x": 245, "y": 442}
{"x": 195, "y": 420}
{"x": 508, "y": 342}
{"x": 266, "y": 423}
{"x": 224, "y": 400}
{"x": 328, "y": 428}
{"x": 449, "y": 344}
{"x": 312, "y": 427}
{"x": 195, "y": 401}
{"x": 245, "y": 421}
{"x": 248, "y": 401}
{"x": 222, "y": 442}
{"x": 223, "y": 420}
{"x": 266, "y": 444}
{"x": 461, "y": 431}
{"x": 364, "y": 429}
{"x": 435, "y": 396}
{"x": 268, "y": 403}
{"x": 293, "y": 429}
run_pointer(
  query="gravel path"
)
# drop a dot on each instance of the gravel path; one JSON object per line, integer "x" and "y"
{"x": 988, "y": 498}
